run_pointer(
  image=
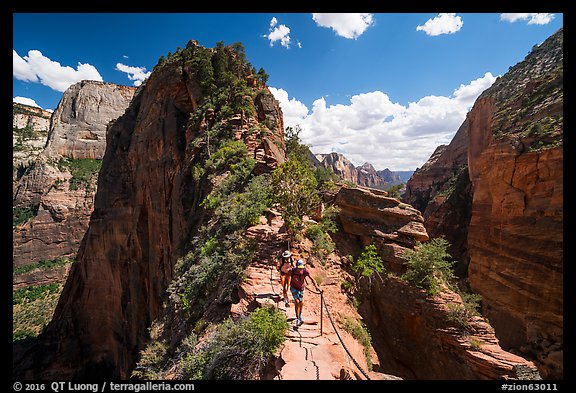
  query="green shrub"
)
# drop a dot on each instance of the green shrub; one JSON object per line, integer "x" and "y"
{"x": 427, "y": 266}
{"x": 22, "y": 214}
{"x": 457, "y": 313}
{"x": 394, "y": 191}
{"x": 82, "y": 170}
{"x": 368, "y": 262}
{"x": 241, "y": 349}
{"x": 322, "y": 243}
{"x": 242, "y": 209}
{"x": 295, "y": 190}
{"x": 153, "y": 357}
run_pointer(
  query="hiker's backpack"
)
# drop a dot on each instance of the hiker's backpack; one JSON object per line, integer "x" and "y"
{"x": 298, "y": 279}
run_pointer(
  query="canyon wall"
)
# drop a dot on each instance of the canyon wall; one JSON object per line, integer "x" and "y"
{"x": 58, "y": 183}
{"x": 496, "y": 192}
{"x": 516, "y": 236}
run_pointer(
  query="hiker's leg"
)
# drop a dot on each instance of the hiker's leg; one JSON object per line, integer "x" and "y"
{"x": 296, "y": 307}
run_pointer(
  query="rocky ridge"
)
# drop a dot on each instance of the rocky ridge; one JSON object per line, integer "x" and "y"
{"x": 364, "y": 175}
{"x": 146, "y": 207}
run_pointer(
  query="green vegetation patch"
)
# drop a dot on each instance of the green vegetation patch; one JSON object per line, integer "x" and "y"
{"x": 239, "y": 349}
{"x": 368, "y": 262}
{"x": 32, "y": 309}
{"x": 359, "y": 331}
{"x": 42, "y": 265}
{"x": 427, "y": 265}
{"x": 82, "y": 169}
{"x": 22, "y": 214}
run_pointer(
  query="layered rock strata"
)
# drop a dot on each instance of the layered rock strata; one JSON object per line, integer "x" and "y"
{"x": 78, "y": 126}
{"x": 59, "y": 183}
{"x": 516, "y": 235}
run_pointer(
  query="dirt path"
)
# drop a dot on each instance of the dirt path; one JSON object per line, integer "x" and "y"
{"x": 308, "y": 353}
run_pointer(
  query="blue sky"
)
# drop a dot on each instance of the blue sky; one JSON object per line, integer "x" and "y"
{"x": 382, "y": 88}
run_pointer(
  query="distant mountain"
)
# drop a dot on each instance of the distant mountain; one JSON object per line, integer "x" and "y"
{"x": 364, "y": 175}
{"x": 404, "y": 175}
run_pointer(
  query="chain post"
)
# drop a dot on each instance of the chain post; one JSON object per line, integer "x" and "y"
{"x": 321, "y": 310}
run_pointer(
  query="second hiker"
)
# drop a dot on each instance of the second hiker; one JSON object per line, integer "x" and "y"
{"x": 297, "y": 280}
{"x": 284, "y": 265}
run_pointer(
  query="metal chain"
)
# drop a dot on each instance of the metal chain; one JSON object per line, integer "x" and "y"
{"x": 322, "y": 300}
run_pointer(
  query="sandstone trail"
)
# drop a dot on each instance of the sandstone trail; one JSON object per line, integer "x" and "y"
{"x": 311, "y": 351}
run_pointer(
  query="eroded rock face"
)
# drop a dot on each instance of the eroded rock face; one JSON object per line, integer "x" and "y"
{"x": 45, "y": 184}
{"x": 515, "y": 236}
{"x": 496, "y": 194}
{"x": 30, "y": 127}
{"x": 415, "y": 338}
{"x": 78, "y": 127}
{"x": 414, "y": 335}
{"x": 369, "y": 212}
{"x": 441, "y": 190}
{"x": 144, "y": 209}
{"x": 368, "y": 177}
{"x": 364, "y": 175}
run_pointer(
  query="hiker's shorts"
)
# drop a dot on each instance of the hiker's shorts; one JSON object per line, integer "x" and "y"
{"x": 297, "y": 294}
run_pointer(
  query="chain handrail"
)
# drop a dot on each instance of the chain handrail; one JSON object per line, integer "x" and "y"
{"x": 323, "y": 302}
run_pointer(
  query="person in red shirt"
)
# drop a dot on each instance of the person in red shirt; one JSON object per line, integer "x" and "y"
{"x": 297, "y": 280}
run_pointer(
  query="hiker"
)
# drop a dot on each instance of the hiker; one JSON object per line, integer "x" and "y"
{"x": 297, "y": 280}
{"x": 284, "y": 265}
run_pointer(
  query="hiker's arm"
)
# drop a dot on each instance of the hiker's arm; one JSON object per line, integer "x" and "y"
{"x": 315, "y": 284}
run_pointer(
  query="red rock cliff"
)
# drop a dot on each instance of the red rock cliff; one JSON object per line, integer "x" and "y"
{"x": 515, "y": 235}
{"x": 144, "y": 209}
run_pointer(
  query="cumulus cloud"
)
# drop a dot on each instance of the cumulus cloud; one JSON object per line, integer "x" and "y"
{"x": 279, "y": 33}
{"x": 442, "y": 24}
{"x": 349, "y": 25}
{"x": 35, "y": 67}
{"x": 294, "y": 112}
{"x": 25, "y": 101}
{"x": 373, "y": 128}
{"x": 532, "y": 18}
{"x": 136, "y": 74}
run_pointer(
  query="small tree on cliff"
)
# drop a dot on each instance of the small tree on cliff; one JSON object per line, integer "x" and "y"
{"x": 427, "y": 265}
{"x": 294, "y": 189}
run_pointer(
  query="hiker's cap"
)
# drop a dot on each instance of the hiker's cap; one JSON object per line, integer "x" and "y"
{"x": 300, "y": 263}
{"x": 286, "y": 254}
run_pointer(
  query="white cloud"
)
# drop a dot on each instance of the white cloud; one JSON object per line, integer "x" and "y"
{"x": 349, "y": 25}
{"x": 533, "y": 18}
{"x": 442, "y": 24}
{"x": 21, "y": 70}
{"x": 136, "y": 74}
{"x": 26, "y": 101}
{"x": 35, "y": 67}
{"x": 294, "y": 112}
{"x": 278, "y": 33}
{"x": 373, "y": 128}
